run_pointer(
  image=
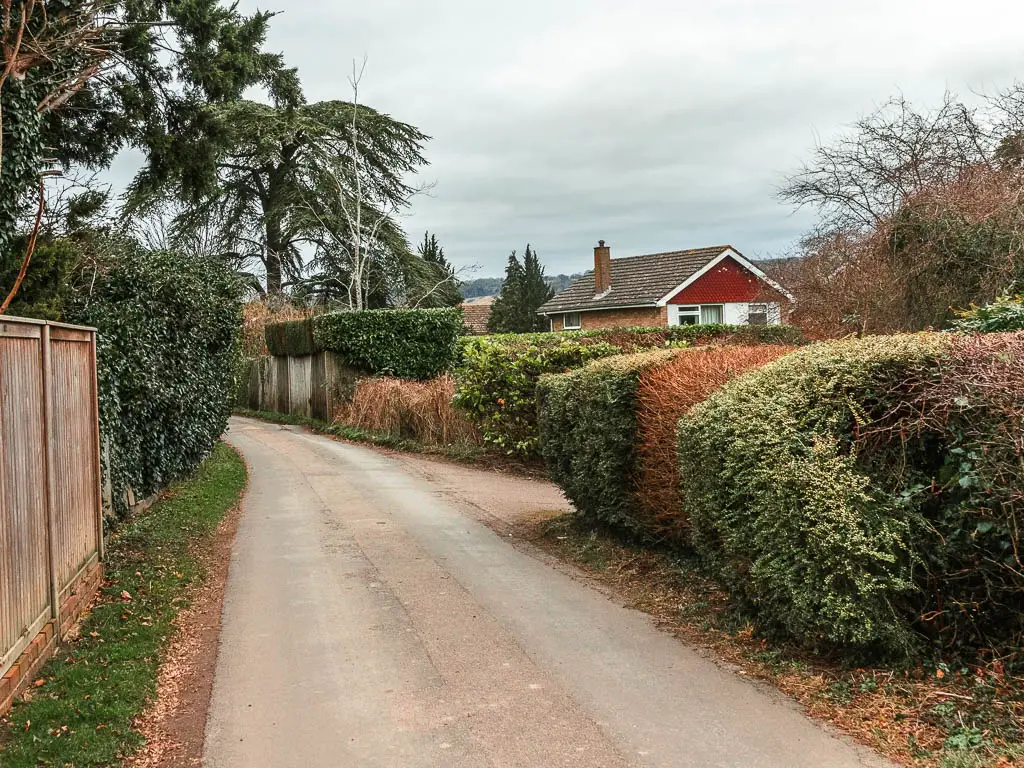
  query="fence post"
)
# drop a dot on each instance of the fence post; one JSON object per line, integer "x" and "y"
{"x": 48, "y": 478}
{"x": 96, "y": 447}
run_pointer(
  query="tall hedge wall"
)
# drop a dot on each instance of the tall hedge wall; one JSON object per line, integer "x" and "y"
{"x": 168, "y": 336}
{"x": 588, "y": 434}
{"x": 408, "y": 343}
{"x": 868, "y": 493}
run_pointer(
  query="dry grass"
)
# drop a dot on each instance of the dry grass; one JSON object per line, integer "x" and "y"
{"x": 416, "y": 410}
{"x": 665, "y": 393}
{"x": 930, "y": 716}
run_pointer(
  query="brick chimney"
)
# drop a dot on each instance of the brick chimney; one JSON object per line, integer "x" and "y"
{"x": 602, "y": 267}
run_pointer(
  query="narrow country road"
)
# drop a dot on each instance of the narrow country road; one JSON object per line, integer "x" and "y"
{"x": 372, "y": 619}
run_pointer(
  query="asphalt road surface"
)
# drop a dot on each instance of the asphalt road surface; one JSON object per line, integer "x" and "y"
{"x": 372, "y": 618}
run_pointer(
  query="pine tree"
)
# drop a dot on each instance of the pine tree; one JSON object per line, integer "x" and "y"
{"x": 504, "y": 312}
{"x": 435, "y": 285}
{"x": 522, "y": 294}
{"x": 536, "y": 292}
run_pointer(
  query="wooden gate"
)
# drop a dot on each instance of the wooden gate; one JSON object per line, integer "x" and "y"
{"x": 51, "y": 522}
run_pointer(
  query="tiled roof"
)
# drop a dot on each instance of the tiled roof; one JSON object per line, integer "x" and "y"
{"x": 475, "y": 316}
{"x": 637, "y": 281}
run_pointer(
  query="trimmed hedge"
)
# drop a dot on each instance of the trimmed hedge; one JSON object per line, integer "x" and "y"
{"x": 588, "y": 431}
{"x": 497, "y": 375}
{"x": 167, "y": 345}
{"x": 867, "y": 493}
{"x": 407, "y": 343}
{"x": 291, "y": 337}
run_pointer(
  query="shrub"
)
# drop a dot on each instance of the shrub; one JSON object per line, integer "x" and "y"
{"x": 291, "y": 337}
{"x": 256, "y": 316}
{"x": 404, "y": 409}
{"x": 587, "y": 427}
{"x": 168, "y": 337}
{"x": 407, "y": 343}
{"x": 497, "y": 382}
{"x": 497, "y": 374}
{"x": 1004, "y": 314}
{"x": 858, "y": 493}
{"x": 665, "y": 393}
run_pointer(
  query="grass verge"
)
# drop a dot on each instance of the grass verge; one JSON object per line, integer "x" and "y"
{"x": 463, "y": 453}
{"x": 83, "y": 709}
{"x": 932, "y": 716}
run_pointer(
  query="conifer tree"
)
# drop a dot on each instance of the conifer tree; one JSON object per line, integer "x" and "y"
{"x": 522, "y": 294}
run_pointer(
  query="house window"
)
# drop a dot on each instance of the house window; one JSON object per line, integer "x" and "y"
{"x": 711, "y": 313}
{"x": 571, "y": 321}
{"x": 757, "y": 314}
{"x": 689, "y": 315}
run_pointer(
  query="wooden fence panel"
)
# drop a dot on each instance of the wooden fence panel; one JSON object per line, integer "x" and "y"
{"x": 73, "y": 466}
{"x": 50, "y": 506}
{"x": 24, "y": 563}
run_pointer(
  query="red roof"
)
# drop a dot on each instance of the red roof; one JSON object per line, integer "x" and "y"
{"x": 725, "y": 282}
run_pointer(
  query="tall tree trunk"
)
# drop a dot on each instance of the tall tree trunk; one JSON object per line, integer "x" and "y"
{"x": 275, "y": 249}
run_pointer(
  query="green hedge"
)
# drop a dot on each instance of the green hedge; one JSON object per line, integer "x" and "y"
{"x": 863, "y": 493}
{"x": 588, "y": 434}
{"x": 408, "y": 343}
{"x": 168, "y": 340}
{"x": 497, "y": 375}
{"x": 497, "y": 382}
{"x": 291, "y": 337}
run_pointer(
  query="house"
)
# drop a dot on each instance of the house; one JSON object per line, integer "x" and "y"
{"x": 475, "y": 314}
{"x": 702, "y": 285}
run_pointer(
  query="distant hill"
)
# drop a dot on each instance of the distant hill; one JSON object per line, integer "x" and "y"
{"x": 491, "y": 286}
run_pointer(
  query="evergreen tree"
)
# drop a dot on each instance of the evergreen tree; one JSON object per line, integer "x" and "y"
{"x": 504, "y": 311}
{"x": 522, "y": 294}
{"x": 434, "y": 283}
{"x": 536, "y": 292}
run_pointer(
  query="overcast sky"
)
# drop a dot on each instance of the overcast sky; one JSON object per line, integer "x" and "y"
{"x": 653, "y": 124}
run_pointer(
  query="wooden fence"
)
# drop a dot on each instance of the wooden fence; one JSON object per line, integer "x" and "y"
{"x": 51, "y": 527}
{"x": 309, "y": 386}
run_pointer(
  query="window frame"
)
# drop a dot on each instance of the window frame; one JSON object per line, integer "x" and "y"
{"x": 579, "y": 321}
{"x": 688, "y": 310}
{"x": 762, "y": 309}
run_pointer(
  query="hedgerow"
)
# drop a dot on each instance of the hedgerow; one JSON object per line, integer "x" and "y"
{"x": 291, "y": 337}
{"x": 168, "y": 337}
{"x": 587, "y": 424}
{"x": 497, "y": 374}
{"x": 866, "y": 493}
{"x": 497, "y": 381}
{"x": 407, "y": 343}
{"x": 664, "y": 394}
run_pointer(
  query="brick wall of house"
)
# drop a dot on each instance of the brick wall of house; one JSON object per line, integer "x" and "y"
{"x": 73, "y": 604}
{"x": 619, "y": 318}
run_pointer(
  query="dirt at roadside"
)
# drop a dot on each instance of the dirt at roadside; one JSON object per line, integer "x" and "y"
{"x": 174, "y": 725}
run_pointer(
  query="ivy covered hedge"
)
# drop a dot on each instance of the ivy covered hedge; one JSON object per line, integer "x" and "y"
{"x": 868, "y": 493}
{"x": 588, "y": 434}
{"x": 168, "y": 335}
{"x": 291, "y": 337}
{"x": 407, "y": 343}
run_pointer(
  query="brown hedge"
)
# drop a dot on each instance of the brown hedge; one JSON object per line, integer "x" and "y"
{"x": 665, "y": 393}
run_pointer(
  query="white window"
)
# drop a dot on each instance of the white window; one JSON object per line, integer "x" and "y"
{"x": 689, "y": 315}
{"x": 571, "y": 321}
{"x": 711, "y": 313}
{"x": 757, "y": 314}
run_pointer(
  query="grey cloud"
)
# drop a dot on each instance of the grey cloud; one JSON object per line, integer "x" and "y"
{"x": 653, "y": 124}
